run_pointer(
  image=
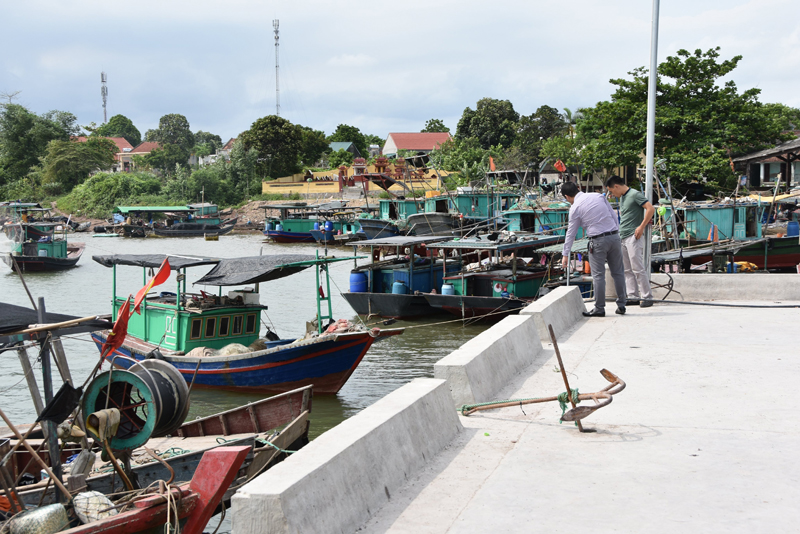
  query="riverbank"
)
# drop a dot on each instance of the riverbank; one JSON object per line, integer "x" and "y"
{"x": 698, "y": 440}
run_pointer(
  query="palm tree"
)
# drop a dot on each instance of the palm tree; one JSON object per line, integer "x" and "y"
{"x": 571, "y": 120}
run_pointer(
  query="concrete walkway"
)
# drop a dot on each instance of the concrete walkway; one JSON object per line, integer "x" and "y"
{"x": 705, "y": 437}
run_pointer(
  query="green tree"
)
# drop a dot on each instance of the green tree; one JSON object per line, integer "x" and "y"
{"x": 167, "y": 157}
{"x": 68, "y": 163}
{"x": 24, "y": 137}
{"x": 213, "y": 143}
{"x": 492, "y": 122}
{"x": 120, "y": 126}
{"x": 371, "y": 139}
{"x": 699, "y": 124}
{"x": 435, "y": 125}
{"x": 278, "y": 144}
{"x": 534, "y": 129}
{"x": 210, "y": 184}
{"x": 466, "y": 157}
{"x": 571, "y": 120}
{"x": 350, "y": 134}
{"x": 314, "y": 145}
{"x": 339, "y": 158}
{"x": 173, "y": 129}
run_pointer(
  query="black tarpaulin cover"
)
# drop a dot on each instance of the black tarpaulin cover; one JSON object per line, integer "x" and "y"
{"x": 254, "y": 269}
{"x": 153, "y": 260}
{"x": 15, "y": 318}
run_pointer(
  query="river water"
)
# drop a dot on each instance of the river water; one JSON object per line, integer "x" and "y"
{"x": 86, "y": 290}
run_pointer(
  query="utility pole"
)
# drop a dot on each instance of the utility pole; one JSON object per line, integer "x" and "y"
{"x": 651, "y": 129}
{"x": 275, "y": 24}
{"x": 104, "y": 93}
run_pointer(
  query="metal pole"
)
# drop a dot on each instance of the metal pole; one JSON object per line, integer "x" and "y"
{"x": 53, "y": 449}
{"x": 651, "y": 128}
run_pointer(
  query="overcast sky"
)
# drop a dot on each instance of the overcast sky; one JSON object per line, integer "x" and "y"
{"x": 381, "y": 66}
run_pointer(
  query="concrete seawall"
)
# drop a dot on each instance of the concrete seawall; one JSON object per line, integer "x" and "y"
{"x": 339, "y": 480}
{"x": 563, "y": 308}
{"x": 484, "y": 365}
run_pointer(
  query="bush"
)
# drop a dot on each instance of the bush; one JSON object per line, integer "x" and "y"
{"x": 101, "y": 193}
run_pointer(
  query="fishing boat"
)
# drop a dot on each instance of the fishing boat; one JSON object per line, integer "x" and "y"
{"x": 214, "y": 339}
{"x": 378, "y": 228}
{"x": 201, "y": 220}
{"x": 500, "y": 284}
{"x": 401, "y": 270}
{"x": 40, "y": 246}
{"x": 297, "y": 222}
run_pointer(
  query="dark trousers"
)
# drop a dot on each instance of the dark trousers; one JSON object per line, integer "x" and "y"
{"x": 602, "y": 250}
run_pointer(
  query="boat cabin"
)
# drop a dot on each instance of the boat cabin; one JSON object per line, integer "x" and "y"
{"x": 695, "y": 220}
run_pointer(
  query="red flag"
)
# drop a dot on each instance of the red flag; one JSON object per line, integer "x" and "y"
{"x": 161, "y": 276}
{"x": 119, "y": 331}
{"x": 491, "y": 163}
{"x": 559, "y": 165}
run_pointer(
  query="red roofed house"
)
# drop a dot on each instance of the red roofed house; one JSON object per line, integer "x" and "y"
{"x": 417, "y": 142}
{"x": 123, "y": 148}
{"x": 142, "y": 149}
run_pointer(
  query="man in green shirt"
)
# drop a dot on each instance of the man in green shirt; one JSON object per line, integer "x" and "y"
{"x": 635, "y": 213}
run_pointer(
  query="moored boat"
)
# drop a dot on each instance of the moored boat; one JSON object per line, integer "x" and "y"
{"x": 41, "y": 246}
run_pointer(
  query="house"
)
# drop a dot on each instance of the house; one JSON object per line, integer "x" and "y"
{"x": 347, "y": 146}
{"x": 224, "y": 152}
{"x": 763, "y": 167}
{"x": 416, "y": 142}
{"x": 142, "y": 149}
{"x": 123, "y": 148}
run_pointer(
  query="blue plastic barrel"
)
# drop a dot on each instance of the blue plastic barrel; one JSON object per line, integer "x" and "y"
{"x": 329, "y": 225}
{"x": 399, "y": 288}
{"x": 279, "y": 227}
{"x": 316, "y": 226}
{"x": 358, "y": 282}
{"x": 268, "y": 226}
{"x": 448, "y": 289}
{"x": 793, "y": 229}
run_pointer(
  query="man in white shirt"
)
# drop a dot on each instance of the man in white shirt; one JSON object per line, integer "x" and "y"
{"x": 594, "y": 214}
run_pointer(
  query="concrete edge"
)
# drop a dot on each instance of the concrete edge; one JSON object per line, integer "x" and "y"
{"x": 343, "y": 477}
{"x": 563, "y": 308}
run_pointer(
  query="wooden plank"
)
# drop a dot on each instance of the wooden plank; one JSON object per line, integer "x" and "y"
{"x": 267, "y": 454}
{"x": 33, "y": 387}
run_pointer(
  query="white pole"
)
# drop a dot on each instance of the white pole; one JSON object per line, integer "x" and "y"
{"x": 651, "y": 127}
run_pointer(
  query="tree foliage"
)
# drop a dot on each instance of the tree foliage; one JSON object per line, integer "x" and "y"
{"x": 314, "y": 145}
{"x": 534, "y": 130}
{"x": 211, "y": 142}
{"x": 278, "y": 143}
{"x": 100, "y": 193}
{"x": 434, "y": 125}
{"x": 167, "y": 157}
{"x": 173, "y": 129}
{"x": 339, "y": 158}
{"x": 68, "y": 163}
{"x": 24, "y": 137}
{"x": 699, "y": 123}
{"x": 493, "y": 122}
{"x": 466, "y": 157}
{"x": 350, "y": 134}
{"x": 120, "y": 126}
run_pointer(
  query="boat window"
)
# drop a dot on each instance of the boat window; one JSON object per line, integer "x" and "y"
{"x": 197, "y": 328}
{"x": 224, "y": 325}
{"x": 251, "y": 324}
{"x": 211, "y": 327}
{"x": 237, "y": 325}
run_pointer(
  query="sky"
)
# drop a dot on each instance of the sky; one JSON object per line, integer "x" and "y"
{"x": 380, "y": 66}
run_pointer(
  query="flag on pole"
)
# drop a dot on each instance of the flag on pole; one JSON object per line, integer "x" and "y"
{"x": 491, "y": 163}
{"x": 161, "y": 276}
{"x": 118, "y": 331}
{"x": 559, "y": 165}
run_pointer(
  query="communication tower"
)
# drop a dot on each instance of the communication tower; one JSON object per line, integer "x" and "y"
{"x": 104, "y": 92}
{"x": 275, "y": 24}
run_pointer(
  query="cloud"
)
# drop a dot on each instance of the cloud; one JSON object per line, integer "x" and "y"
{"x": 352, "y": 60}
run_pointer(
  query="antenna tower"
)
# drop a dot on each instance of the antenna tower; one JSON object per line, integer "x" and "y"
{"x": 104, "y": 92}
{"x": 275, "y": 24}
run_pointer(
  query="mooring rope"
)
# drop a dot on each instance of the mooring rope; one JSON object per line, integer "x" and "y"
{"x": 563, "y": 398}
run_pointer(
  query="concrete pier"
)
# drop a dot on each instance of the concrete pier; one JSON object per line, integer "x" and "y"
{"x": 703, "y": 438}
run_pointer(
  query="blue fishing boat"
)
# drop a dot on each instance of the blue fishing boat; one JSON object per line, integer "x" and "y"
{"x": 214, "y": 340}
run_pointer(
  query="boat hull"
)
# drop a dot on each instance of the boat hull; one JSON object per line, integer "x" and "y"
{"x": 201, "y": 231}
{"x": 390, "y": 305}
{"x": 289, "y": 237}
{"x": 486, "y": 308}
{"x": 781, "y": 252}
{"x": 378, "y": 228}
{"x": 325, "y": 362}
{"x": 47, "y": 263}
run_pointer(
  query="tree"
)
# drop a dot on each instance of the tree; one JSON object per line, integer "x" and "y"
{"x": 120, "y": 126}
{"x": 278, "y": 143}
{"x": 534, "y": 129}
{"x": 167, "y": 157}
{"x": 24, "y": 137}
{"x": 173, "y": 129}
{"x": 571, "y": 120}
{"x": 371, "y": 139}
{"x": 493, "y": 122}
{"x": 700, "y": 125}
{"x": 314, "y": 145}
{"x": 464, "y": 156}
{"x": 211, "y": 141}
{"x": 339, "y": 158}
{"x": 68, "y": 163}
{"x": 435, "y": 125}
{"x": 350, "y": 134}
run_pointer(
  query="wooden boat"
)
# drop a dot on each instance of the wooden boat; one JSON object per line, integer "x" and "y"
{"x": 394, "y": 287}
{"x": 194, "y": 229}
{"x": 41, "y": 246}
{"x": 298, "y": 222}
{"x": 378, "y": 228}
{"x": 196, "y": 332}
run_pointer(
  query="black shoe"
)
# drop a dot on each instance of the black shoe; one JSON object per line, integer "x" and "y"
{"x": 645, "y": 303}
{"x": 595, "y": 313}
{"x": 632, "y": 302}
{"x": 620, "y": 310}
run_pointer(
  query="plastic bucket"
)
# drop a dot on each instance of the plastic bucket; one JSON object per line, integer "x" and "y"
{"x": 358, "y": 282}
{"x": 316, "y": 226}
{"x": 43, "y": 253}
{"x": 448, "y": 289}
{"x": 399, "y": 288}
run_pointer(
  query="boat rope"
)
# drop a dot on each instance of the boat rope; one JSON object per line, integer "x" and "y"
{"x": 267, "y": 442}
{"x": 563, "y": 398}
{"x": 722, "y": 305}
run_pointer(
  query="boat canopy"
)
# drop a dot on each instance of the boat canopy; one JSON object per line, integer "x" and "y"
{"x": 255, "y": 269}
{"x": 153, "y": 209}
{"x": 484, "y": 243}
{"x": 400, "y": 241}
{"x": 15, "y": 318}
{"x": 154, "y": 260}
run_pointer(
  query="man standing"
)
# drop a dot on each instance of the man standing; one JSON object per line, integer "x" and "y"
{"x": 594, "y": 214}
{"x": 635, "y": 212}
